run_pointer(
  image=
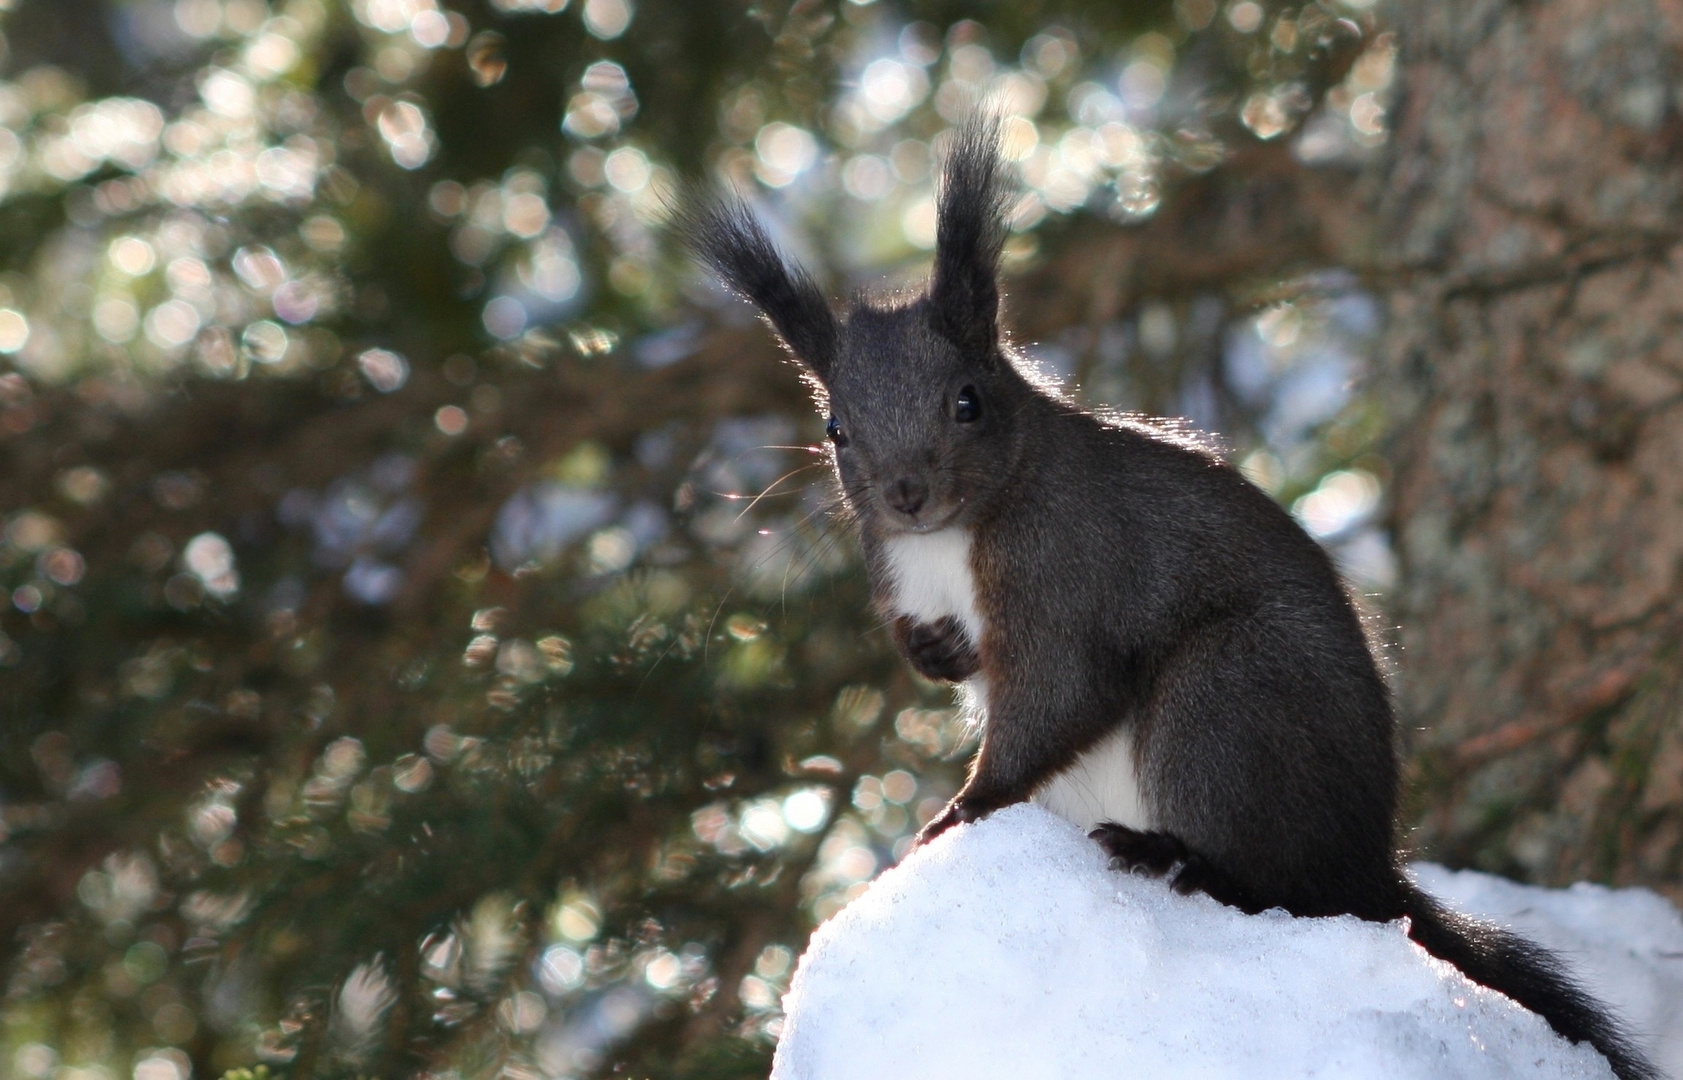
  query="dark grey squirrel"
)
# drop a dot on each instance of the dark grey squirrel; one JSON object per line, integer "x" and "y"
{"x": 1159, "y": 651}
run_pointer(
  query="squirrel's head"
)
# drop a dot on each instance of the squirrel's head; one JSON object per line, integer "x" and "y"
{"x": 921, "y": 396}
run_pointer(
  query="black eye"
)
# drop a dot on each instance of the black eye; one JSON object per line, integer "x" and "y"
{"x": 969, "y": 408}
{"x": 834, "y": 430}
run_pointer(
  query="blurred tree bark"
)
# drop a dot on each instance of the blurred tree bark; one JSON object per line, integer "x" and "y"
{"x": 1531, "y": 202}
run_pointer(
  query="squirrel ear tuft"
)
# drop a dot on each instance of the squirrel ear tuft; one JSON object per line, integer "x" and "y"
{"x": 725, "y": 236}
{"x": 970, "y": 231}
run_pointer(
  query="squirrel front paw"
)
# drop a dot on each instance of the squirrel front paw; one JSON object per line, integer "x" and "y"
{"x": 958, "y": 812}
{"x": 939, "y": 650}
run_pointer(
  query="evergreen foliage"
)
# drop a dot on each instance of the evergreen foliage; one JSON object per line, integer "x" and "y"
{"x": 428, "y": 646}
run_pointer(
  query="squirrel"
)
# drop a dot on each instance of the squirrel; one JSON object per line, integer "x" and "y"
{"x": 1156, "y": 650}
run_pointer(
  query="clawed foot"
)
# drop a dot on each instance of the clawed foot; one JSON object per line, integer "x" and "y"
{"x": 1159, "y": 854}
{"x": 957, "y": 812}
{"x": 1149, "y": 854}
{"x": 939, "y": 650}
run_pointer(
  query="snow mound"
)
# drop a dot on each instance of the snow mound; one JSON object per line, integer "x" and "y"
{"x": 1009, "y": 949}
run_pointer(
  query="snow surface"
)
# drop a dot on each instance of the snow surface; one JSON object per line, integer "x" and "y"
{"x": 1009, "y": 949}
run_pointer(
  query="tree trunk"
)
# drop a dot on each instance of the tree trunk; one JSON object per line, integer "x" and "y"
{"x": 1532, "y": 201}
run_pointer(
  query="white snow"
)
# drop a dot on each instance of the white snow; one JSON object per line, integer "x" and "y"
{"x": 1008, "y": 949}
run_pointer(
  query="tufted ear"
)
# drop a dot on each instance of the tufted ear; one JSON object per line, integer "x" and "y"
{"x": 970, "y": 231}
{"x": 725, "y": 236}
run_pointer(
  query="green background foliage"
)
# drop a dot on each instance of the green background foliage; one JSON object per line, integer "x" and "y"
{"x": 430, "y": 644}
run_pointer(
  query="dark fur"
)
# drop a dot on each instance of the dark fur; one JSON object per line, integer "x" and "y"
{"x": 1124, "y": 577}
{"x": 739, "y": 251}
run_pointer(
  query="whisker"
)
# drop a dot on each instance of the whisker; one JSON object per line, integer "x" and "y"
{"x": 883, "y": 625}
{"x": 707, "y": 639}
{"x": 772, "y": 486}
{"x": 816, "y": 555}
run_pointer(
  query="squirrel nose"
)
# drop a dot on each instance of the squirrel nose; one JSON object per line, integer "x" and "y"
{"x": 907, "y": 494}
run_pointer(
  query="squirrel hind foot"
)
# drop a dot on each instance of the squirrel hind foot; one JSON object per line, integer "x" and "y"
{"x": 1199, "y": 875}
{"x": 1151, "y": 854}
{"x": 1160, "y": 854}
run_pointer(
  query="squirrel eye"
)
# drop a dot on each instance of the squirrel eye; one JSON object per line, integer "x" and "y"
{"x": 834, "y": 430}
{"x": 969, "y": 408}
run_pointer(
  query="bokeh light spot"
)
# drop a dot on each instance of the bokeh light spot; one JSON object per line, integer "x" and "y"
{"x": 14, "y": 330}
{"x": 607, "y": 19}
{"x": 172, "y": 324}
{"x": 1245, "y": 16}
{"x": 806, "y": 810}
{"x": 919, "y": 223}
{"x": 451, "y": 420}
{"x": 785, "y": 151}
{"x": 504, "y": 317}
{"x": 627, "y": 169}
{"x": 116, "y": 319}
{"x": 132, "y": 255}
{"x": 210, "y": 558}
{"x": 265, "y": 342}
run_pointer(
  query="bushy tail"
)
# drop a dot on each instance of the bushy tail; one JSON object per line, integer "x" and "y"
{"x": 1531, "y": 975}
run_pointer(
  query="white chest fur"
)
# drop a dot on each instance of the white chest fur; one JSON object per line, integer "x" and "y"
{"x": 933, "y": 580}
{"x": 1102, "y": 785}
